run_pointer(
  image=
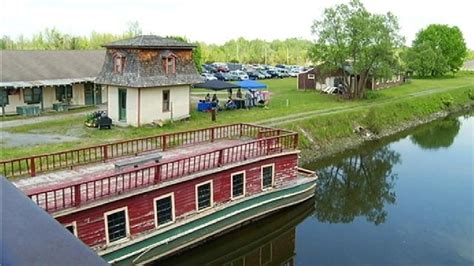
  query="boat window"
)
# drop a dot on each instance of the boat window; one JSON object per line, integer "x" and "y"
{"x": 238, "y": 185}
{"x": 71, "y": 228}
{"x": 164, "y": 209}
{"x": 117, "y": 225}
{"x": 266, "y": 254}
{"x": 204, "y": 195}
{"x": 267, "y": 176}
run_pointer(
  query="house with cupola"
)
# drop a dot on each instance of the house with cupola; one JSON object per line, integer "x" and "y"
{"x": 148, "y": 79}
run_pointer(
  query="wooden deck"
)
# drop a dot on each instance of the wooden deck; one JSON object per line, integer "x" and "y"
{"x": 184, "y": 154}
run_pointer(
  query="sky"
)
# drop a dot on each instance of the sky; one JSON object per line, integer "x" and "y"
{"x": 217, "y": 21}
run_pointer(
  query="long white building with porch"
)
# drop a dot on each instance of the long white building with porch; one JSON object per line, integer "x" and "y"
{"x": 43, "y": 78}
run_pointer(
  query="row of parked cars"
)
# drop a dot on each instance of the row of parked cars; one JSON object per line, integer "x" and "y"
{"x": 230, "y": 71}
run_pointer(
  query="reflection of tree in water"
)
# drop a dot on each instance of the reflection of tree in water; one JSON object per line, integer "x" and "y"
{"x": 357, "y": 186}
{"x": 438, "y": 134}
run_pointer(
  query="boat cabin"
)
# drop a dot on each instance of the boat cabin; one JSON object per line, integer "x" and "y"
{"x": 155, "y": 195}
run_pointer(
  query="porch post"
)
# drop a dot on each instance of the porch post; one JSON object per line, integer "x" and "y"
{"x": 42, "y": 98}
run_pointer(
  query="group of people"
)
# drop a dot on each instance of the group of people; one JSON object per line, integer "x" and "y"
{"x": 250, "y": 99}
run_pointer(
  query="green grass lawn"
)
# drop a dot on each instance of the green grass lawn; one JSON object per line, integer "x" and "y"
{"x": 282, "y": 92}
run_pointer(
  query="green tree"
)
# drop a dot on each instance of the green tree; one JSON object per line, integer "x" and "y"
{"x": 349, "y": 34}
{"x": 445, "y": 47}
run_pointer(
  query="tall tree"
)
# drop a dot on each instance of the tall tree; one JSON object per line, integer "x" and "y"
{"x": 363, "y": 44}
{"x": 445, "y": 47}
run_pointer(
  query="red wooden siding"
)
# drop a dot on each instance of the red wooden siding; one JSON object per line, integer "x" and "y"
{"x": 90, "y": 222}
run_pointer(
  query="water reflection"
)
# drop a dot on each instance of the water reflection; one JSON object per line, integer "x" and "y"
{"x": 269, "y": 241}
{"x": 438, "y": 134}
{"x": 357, "y": 185}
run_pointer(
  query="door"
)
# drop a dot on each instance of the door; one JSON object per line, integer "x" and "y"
{"x": 122, "y": 104}
{"x": 98, "y": 94}
{"x": 89, "y": 93}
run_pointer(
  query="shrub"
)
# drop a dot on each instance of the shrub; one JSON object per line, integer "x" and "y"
{"x": 447, "y": 100}
{"x": 371, "y": 95}
{"x": 371, "y": 122}
{"x": 470, "y": 94}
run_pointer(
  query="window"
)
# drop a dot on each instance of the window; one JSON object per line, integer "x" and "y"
{"x": 266, "y": 254}
{"x": 310, "y": 76}
{"x": 71, "y": 228}
{"x": 119, "y": 63}
{"x": 63, "y": 93}
{"x": 170, "y": 64}
{"x": 32, "y": 95}
{"x": 164, "y": 209}
{"x": 166, "y": 100}
{"x": 238, "y": 185}
{"x": 267, "y": 176}
{"x": 3, "y": 97}
{"x": 204, "y": 196}
{"x": 116, "y": 225}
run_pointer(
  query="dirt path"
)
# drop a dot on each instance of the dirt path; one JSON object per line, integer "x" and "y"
{"x": 310, "y": 114}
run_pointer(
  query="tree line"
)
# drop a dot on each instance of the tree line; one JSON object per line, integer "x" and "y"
{"x": 290, "y": 51}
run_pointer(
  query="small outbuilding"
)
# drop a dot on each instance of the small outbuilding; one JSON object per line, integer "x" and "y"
{"x": 148, "y": 79}
{"x": 312, "y": 79}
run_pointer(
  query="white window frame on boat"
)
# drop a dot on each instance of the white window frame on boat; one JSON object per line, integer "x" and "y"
{"x": 273, "y": 176}
{"x": 127, "y": 225}
{"x": 173, "y": 215}
{"x": 196, "y": 198}
{"x": 232, "y": 184}
{"x": 74, "y": 226}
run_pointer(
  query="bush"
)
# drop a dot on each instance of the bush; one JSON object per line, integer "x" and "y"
{"x": 371, "y": 123}
{"x": 470, "y": 94}
{"x": 447, "y": 100}
{"x": 371, "y": 95}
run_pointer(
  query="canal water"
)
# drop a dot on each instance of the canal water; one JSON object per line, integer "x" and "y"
{"x": 405, "y": 200}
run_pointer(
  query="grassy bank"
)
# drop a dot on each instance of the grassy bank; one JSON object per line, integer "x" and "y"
{"x": 324, "y": 118}
{"x": 333, "y": 133}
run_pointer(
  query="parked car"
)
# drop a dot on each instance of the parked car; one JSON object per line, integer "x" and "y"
{"x": 294, "y": 73}
{"x": 283, "y": 72}
{"x": 280, "y": 66}
{"x": 255, "y": 75}
{"x": 208, "y": 76}
{"x": 222, "y": 76}
{"x": 265, "y": 74}
{"x": 275, "y": 73}
{"x": 238, "y": 75}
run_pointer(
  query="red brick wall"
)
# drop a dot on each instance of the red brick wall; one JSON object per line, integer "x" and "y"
{"x": 90, "y": 222}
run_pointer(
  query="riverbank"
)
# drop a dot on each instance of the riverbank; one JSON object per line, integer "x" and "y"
{"x": 324, "y": 137}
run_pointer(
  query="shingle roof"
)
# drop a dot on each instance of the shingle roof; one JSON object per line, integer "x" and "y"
{"x": 51, "y": 66}
{"x": 149, "y": 41}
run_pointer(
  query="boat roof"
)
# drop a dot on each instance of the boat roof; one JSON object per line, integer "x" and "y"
{"x": 44, "y": 242}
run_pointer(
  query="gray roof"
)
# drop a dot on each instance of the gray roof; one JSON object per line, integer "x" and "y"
{"x": 139, "y": 73}
{"x": 23, "y": 68}
{"x": 149, "y": 42}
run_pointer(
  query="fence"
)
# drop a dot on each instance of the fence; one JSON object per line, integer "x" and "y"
{"x": 64, "y": 159}
{"x": 75, "y": 194}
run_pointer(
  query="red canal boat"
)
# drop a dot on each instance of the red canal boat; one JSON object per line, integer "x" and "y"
{"x": 137, "y": 200}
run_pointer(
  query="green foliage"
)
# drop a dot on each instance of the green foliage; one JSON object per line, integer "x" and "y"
{"x": 437, "y": 50}
{"x": 447, "y": 100}
{"x": 348, "y": 32}
{"x": 371, "y": 121}
{"x": 371, "y": 95}
{"x": 470, "y": 94}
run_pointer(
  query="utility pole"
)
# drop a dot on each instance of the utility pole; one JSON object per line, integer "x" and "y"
{"x": 287, "y": 55}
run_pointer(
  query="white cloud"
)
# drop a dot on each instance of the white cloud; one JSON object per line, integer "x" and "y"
{"x": 215, "y": 21}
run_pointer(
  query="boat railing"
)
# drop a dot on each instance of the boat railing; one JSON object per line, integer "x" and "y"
{"x": 83, "y": 191}
{"x": 33, "y": 165}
